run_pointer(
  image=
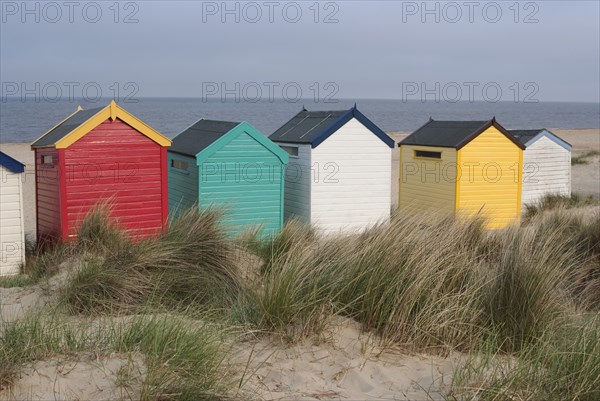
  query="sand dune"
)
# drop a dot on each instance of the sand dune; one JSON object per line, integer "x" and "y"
{"x": 345, "y": 365}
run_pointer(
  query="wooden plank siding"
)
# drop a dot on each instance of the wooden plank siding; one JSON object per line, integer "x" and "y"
{"x": 427, "y": 184}
{"x": 246, "y": 179}
{"x": 546, "y": 170}
{"x": 350, "y": 180}
{"x": 490, "y": 178}
{"x": 12, "y": 235}
{"x": 115, "y": 163}
{"x": 183, "y": 185}
{"x": 47, "y": 183}
{"x": 297, "y": 184}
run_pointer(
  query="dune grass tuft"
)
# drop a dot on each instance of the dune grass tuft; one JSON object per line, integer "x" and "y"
{"x": 190, "y": 264}
{"x": 183, "y": 358}
{"x": 19, "y": 280}
{"x": 429, "y": 283}
{"x": 553, "y": 201}
{"x": 564, "y": 364}
{"x": 584, "y": 157}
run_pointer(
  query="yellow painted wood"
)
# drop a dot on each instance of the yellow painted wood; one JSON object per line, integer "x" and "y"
{"x": 112, "y": 111}
{"x": 427, "y": 184}
{"x": 490, "y": 178}
{"x": 520, "y": 191}
{"x": 457, "y": 184}
{"x": 400, "y": 177}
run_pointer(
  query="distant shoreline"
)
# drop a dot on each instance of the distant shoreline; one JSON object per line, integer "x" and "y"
{"x": 393, "y": 132}
{"x": 26, "y": 121}
{"x": 307, "y": 100}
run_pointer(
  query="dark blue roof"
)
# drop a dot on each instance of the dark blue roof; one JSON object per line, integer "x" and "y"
{"x": 314, "y": 127}
{"x": 11, "y": 164}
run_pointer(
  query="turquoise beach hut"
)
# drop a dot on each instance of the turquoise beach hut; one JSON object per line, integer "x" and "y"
{"x": 229, "y": 165}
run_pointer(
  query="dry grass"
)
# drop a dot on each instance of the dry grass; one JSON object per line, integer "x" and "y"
{"x": 423, "y": 281}
{"x": 584, "y": 158}
{"x": 191, "y": 264}
{"x": 183, "y": 358}
{"x": 553, "y": 202}
{"x": 428, "y": 283}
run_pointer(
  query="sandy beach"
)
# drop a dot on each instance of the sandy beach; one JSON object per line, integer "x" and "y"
{"x": 585, "y": 177}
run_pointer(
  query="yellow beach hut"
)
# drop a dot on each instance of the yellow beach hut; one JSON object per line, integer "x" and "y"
{"x": 471, "y": 167}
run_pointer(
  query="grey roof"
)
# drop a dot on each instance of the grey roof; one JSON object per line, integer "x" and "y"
{"x": 200, "y": 135}
{"x": 525, "y": 135}
{"x": 448, "y": 134}
{"x": 305, "y": 126}
{"x": 454, "y": 134}
{"x": 66, "y": 127}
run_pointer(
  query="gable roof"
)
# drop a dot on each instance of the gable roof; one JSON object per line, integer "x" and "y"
{"x": 200, "y": 135}
{"x": 314, "y": 127}
{"x": 453, "y": 134}
{"x": 78, "y": 124}
{"x": 205, "y": 137}
{"x": 11, "y": 164}
{"x": 529, "y": 136}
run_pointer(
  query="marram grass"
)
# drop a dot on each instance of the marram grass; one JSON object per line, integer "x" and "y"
{"x": 428, "y": 283}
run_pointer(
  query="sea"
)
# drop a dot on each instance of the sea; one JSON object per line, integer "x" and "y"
{"x": 26, "y": 120}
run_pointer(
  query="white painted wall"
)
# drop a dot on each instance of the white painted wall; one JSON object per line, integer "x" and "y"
{"x": 546, "y": 170}
{"x": 351, "y": 180}
{"x": 297, "y": 184}
{"x": 12, "y": 238}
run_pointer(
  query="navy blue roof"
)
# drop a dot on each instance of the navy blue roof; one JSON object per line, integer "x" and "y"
{"x": 314, "y": 127}
{"x": 11, "y": 164}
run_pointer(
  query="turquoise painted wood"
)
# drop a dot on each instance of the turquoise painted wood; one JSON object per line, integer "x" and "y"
{"x": 241, "y": 172}
{"x": 183, "y": 184}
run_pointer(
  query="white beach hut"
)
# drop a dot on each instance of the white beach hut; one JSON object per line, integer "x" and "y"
{"x": 12, "y": 234}
{"x": 339, "y": 173}
{"x": 546, "y": 164}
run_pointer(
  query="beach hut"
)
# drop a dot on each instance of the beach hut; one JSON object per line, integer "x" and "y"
{"x": 339, "y": 175}
{"x": 232, "y": 166}
{"x": 546, "y": 164}
{"x": 100, "y": 155}
{"x": 469, "y": 166}
{"x": 12, "y": 234}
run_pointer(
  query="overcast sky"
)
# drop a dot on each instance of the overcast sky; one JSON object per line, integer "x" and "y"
{"x": 367, "y": 49}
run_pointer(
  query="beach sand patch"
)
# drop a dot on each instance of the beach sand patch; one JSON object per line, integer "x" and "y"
{"x": 346, "y": 365}
{"x": 115, "y": 377}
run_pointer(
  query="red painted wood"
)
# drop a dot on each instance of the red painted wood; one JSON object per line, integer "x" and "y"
{"x": 64, "y": 221}
{"x": 47, "y": 195}
{"x": 37, "y": 200}
{"x": 115, "y": 162}
{"x": 165, "y": 187}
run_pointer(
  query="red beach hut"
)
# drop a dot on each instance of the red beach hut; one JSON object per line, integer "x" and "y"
{"x": 96, "y": 155}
